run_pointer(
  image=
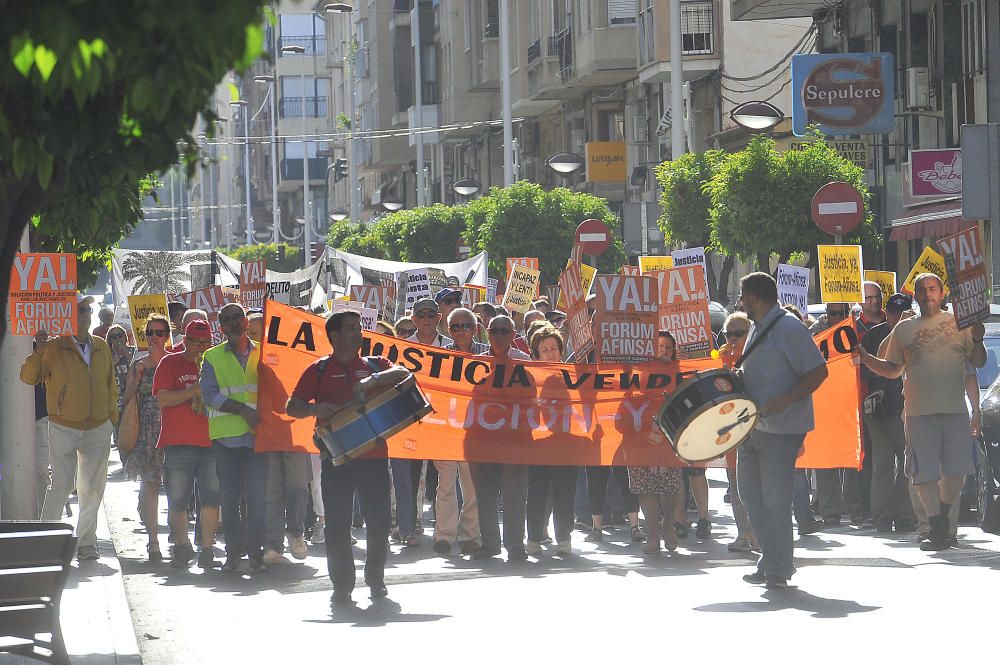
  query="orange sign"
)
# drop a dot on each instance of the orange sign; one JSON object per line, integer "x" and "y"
{"x": 606, "y": 161}
{"x": 684, "y": 308}
{"x": 473, "y": 294}
{"x": 625, "y": 323}
{"x": 253, "y": 283}
{"x": 528, "y": 412}
{"x": 529, "y": 261}
{"x": 43, "y": 294}
{"x": 380, "y": 298}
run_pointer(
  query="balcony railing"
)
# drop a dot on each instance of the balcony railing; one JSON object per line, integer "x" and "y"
{"x": 313, "y": 44}
{"x": 291, "y": 107}
{"x": 564, "y": 49}
{"x": 491, "y": 30}
{"x": 291, "y": 169}
{"x": 697, "y": 28}
{"x": 535, "y": 50}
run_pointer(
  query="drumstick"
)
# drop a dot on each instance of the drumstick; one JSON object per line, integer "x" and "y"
{"x": 739, "y": 421}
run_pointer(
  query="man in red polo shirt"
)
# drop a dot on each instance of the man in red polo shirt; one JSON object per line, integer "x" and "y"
{"x": 188, "y": 453}
{"x": 326, "y": 387}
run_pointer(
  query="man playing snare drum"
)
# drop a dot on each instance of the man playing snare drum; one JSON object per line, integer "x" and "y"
{"x": 327, "y": 386}
{"x": 782, "y": 367}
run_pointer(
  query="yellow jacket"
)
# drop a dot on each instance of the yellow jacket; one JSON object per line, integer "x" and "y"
{"x": 77, "y": 396}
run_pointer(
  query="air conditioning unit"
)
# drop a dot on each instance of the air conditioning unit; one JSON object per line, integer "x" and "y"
{"x": 917, "y": 88}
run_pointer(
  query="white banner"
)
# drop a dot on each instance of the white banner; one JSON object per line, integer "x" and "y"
{"x": 305, "y": 287}
{"x": 691, "y": 256}
{"x": 136, "y": 272}
{"x": 793, "y": 286}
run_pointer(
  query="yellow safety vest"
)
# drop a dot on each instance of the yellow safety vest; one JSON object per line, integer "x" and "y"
{"x": 235, "y": 383}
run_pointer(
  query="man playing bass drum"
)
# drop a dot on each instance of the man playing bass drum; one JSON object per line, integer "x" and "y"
{"x": 346, "y": 377}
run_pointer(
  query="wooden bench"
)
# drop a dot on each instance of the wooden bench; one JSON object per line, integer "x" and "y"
{"x": 34, "y": 564}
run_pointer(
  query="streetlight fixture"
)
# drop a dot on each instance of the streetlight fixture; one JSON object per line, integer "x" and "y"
{"x": 245, "y": 112}
{"x": 275, "y": 210}
{"x": 392, "y": 203}
{"x": 354, "y": 152}
{"x": 466, "y": 187}
{"x": 338, "y": 215}
{"x": 565, "y": 163}
{"x": 756, "y": 117}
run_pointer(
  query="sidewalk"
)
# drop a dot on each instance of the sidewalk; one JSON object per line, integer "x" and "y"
{"x": 96, "y": 621}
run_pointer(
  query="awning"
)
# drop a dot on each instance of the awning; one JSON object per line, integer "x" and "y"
{"x": 934, "y": 220}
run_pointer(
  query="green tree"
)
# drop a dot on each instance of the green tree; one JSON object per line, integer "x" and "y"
{"x": 525, "y": 220}
{"x": 94, "y": 96}
{"x": 761, "y": 200}
{"x": 687, "y": 206}
{"x": 354, "y": 238}
{"x": 291, "y": 262}
{"x": 429, "y": 234}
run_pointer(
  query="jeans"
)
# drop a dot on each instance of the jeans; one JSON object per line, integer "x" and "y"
{"x": 890, "y": 486}
{"x": 837, "y": 491}
{"x": 79, "y": 457}
{"x": 562, "y": 481}
{"x": 800, "y": 498}
{"x": 406, "y": 496}
{"x": 242, "y": 474}
{"x": 287, "y": 495}
{"x": 370, "y": 477}
{"x": 490, "y": 480}
{"x": 182, "y": 465}
{"x": 765, "y": 470}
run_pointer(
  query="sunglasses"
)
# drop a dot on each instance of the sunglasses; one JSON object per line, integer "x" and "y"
{"x": 461, "y": 326}
{"x": 501, "y": 331}
{"x": 157, "y": 333}
{"x": 734, "y": 334}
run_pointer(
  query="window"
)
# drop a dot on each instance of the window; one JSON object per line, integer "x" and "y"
{"x": 317, "y": 94}
{"x": 696, "y": 27}
{"x": 621, "y": 12}
{"x": 973, "y": 37}
{"x": 305, "y": 30}
{"x": 293, "y": 149}
{"x": 491, "y": 19}
{"x": 647, "y": 32}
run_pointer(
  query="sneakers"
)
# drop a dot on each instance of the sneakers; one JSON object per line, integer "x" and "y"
{"x": 232, "y": 564}
{"x": 772, "y": 582}
{"x": 299, "y": 548}
{"x": 469, "y": 547}
{"x": 258, "y": 563}
{"x": 811, "y": 526}
{"x": 206, "y": 559}
{"x": 442, "y": 547}
{"x": 183, "y": 553}
{"x": 533, "y": 548}
{"x": 595, "y": 536}
{"x": 704, "y": 529}
{"x": 565, "y": 548}
{"x": 270, "y": 557}
{"x": 937, "y": 539}
{"x": 87, "y": 553}
{"x": 485, "y": 553}
{"x": 319, "y": 533}
{"x": 517, "y": 555}
{"x": 755, "y": 578}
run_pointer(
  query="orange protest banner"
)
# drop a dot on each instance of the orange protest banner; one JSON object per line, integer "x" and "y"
{"x": 380, "y": 298}
{"x": 473, "y": 294}
{"x": 625, "y": 322}
{"x": 530, "y": 412}
{"x": 684, "y": 308}
{"x": 211, "y": 299}
{"x": 43, "y": 294}
{"x": 253, "y": 283}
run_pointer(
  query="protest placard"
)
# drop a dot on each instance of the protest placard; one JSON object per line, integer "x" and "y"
{"x": 42, "y": 294}
{"x": 369, "y": 315}
{"x": 884, "y": 278}
{"x": 491, "y": 289}
{"x": 528, "y": 261}
{"x": 577, "y": 318}
{"x": 928, "y": 261}
{"x": 965, "y": 259}
{"x": 648, "y": 264}
{"x": 210, "y": 299}
{"x": 630, "y": 270}
{"x": 380, "y": 298}
{"x": 689, "y": 257}
{"x": 552, "y": 292}
{"x": 522, "y": 285}
{"x": 472, "y": 294}
{"x": 418, "y": 285}
{"x": 139, "y": 309}
{"x": 840, "y": 273}
{"x": 253, "y": 283}
{"x": 626, "y": 318}
{"x": 684, "y": 309}
{"x": 587, "y": 274}
{"x": 793, "y": 286}
{"x": 123, "y": 319}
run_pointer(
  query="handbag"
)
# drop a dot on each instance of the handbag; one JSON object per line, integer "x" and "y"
{"x": 128, "y": 424}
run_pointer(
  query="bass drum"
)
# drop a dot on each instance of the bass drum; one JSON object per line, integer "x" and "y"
{"x": 708, "y": 415}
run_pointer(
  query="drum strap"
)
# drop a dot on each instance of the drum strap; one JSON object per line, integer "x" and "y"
{"x": 757, "y": 339}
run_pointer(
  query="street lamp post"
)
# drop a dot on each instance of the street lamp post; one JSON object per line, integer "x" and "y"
{"x": 307, "y": 243}
{"x": 245, "y": 112}
{"x": 275, "y": 212}
{"x": 353, "y": 155}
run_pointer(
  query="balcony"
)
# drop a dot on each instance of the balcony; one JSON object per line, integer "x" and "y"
{"x": 313, "y": 44}
{"x": 291, "y": 169}
{"x": 291, "y": 107}
{"x": 605, "y": 56}
{"x": 564, "y": 49}
{"x": 535, "y": 50}
{"x": 750, "y": 10}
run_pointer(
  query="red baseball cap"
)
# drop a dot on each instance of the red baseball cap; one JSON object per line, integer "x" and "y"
{"x": 198, "y": 330}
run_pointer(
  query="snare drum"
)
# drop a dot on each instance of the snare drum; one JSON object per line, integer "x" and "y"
{"x": 708, "y": 415}
{"x": 359, "y": 428}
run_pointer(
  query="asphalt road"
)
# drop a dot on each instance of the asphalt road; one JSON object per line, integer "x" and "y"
{"x": 856, "y": 594}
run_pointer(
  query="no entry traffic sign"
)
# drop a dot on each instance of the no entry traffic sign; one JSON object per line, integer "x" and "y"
{"x": 837, "y": 208}
{"x": 593, "y": 237}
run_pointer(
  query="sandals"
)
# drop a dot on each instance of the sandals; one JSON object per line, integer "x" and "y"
{"x": 680, "y": 528}
{"x": 741, "y": 545}
{"x": 638, "y": 536}
{"x": 153, "y": 550}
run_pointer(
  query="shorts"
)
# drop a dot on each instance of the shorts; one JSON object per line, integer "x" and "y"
{"x": 184, "y": 464}
{"x": 938, "y": 445}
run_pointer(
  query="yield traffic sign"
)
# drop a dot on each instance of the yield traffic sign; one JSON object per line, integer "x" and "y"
{"x": 837, "y": 208}
{"x": 593, "y": 237}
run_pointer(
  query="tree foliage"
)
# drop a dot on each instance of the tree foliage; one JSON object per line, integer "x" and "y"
{"x": 291, "y": 262}
{"x": 761, "y": 199}
{"x": 520, "y": 220}
{"x": 94, "y": 96}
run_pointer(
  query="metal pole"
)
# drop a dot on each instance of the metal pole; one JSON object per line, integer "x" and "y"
{"x": 307, "y": 239}
{"x": 418, "y": 98}
{"x": 272, "y": 90}
{"x": 173, "y": 215}
{"x": 354, "y": 182}
{"x": 676, "y": 82}
{"x": 994, "y": 221}
{"x": 508, "y": 130}
{"x": 201, "y": 199}
{"x": 246, "y": 169}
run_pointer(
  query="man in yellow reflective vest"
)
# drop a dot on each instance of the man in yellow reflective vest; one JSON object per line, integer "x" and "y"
{"x": 229, "y": 390}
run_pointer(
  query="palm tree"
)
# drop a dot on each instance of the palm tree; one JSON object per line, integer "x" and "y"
{"x": 160, "y": 272}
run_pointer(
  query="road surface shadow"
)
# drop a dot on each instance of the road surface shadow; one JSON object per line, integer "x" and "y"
{"x": 793, "y": 598}
{"x": 378, "y": 614}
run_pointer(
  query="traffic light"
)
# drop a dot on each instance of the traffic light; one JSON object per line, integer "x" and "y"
{"x": 339, "y": 169}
